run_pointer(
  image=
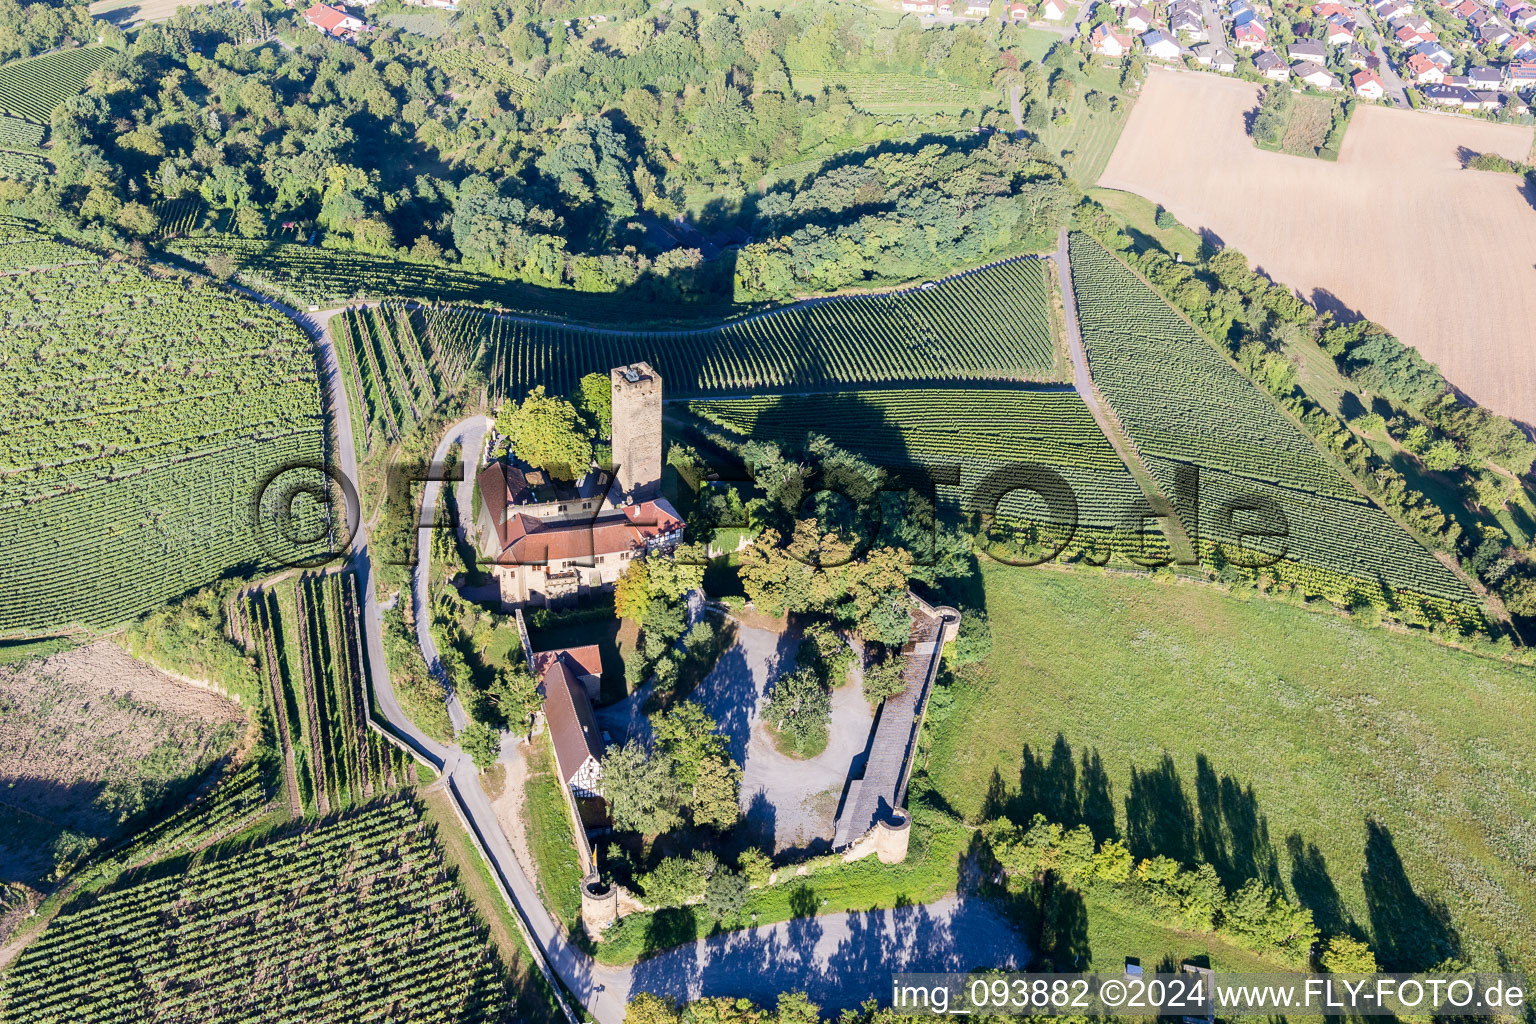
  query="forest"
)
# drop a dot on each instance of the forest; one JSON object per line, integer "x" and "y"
{"x": 666, "y": 149}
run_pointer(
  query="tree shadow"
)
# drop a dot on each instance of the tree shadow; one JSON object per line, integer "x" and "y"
{"x": 1314, "y": 888}
{"x": 1159, "y": 820}
{"x": 1232, "y": 836}
{"x": 1409, "y": 932}
{"x": 1069, "y": 792}
{"x": 1325, "y": 301}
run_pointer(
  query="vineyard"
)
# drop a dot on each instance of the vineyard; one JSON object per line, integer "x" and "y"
{"x": 979, "y": 432}
{"x": 240, "y": 798}
{"x": 307, "y": 639}
{"x": 178, "y": 216}
{"x": 351, "y": 919}
{"x": 16, "y": 133}
{"x": 31, "y": 87}
{"x": 1338, "y": 549}
{"x": 1182, "y": 402}
{"x": 1178, "y": 397}
{"x": 991, "y": 324}
{"x": 23, "y": 247}
{"x": 402, "y": 360}
{"x": 22, "y": 166}
{"x": 142, "y": 417}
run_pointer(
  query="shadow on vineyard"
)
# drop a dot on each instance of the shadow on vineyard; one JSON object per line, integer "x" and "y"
{"x": 312, "y": 275}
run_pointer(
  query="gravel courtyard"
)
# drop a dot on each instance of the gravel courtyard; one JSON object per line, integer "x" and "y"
{"x": 789, "y": 801}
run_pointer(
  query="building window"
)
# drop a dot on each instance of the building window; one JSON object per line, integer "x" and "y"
{"x": 560, "y": 509}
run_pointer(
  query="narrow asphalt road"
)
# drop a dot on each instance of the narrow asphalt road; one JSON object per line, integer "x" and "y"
{"x": 841, "y": 958}
{"x": 1082, "y": 381}
{"x": 1213, "y": 26}
{"x": 470, "y": 433}
{"x": 1389, "y": 76}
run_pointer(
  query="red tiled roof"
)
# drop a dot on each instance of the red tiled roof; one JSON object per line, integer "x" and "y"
{"x": 528, "y": 540}
{"x": 326, "y": 17}
{"x": 500, "y": 485}
{"x": 571, "y": 725}
{"x": 586, "y": 660}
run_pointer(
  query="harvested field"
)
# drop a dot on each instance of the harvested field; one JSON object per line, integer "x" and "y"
{"x": 89, "y": 739}
{"x": 1395, "y": 230}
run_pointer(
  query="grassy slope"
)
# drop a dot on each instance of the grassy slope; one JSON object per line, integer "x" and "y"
{"x": 552, "y": 840}
{"x": 1309, "y": 727}
{"x": 1140, "y": 215}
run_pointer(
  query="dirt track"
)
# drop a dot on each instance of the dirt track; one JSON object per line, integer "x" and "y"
{"x": 1395, "y": 230}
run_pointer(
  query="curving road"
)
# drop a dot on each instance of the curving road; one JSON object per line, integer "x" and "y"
{"x": 841, "y": 959}
{"x": 470, "y": 433}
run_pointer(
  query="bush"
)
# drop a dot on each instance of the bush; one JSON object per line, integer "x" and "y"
{"x": 884, "y": 680}
{"x": 756, "y": 867}
{"x": 974, "y": 643}
{"x": 725, "y": 894}
{"x": 1166, "y": 220}
{"x": 678, "y": 880}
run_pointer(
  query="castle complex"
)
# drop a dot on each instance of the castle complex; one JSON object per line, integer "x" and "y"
{"x": 552, "y": 542}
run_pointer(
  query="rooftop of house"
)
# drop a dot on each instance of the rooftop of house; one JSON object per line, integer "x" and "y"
{"x": 586, "y": 660}
{"x": 572, "y": 727}
{"x": 326, "y": 17}
{"x": 528, "y": 540}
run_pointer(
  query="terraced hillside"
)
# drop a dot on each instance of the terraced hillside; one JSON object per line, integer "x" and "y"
{"x": 306, "y": 636}
{"x": 991, "y": 324}
{"x": 31, "y": 87}
{"x": 351, "y": 919}
{"x": 1183, "y": 404}
{"x": 400, "y": 360}
{"x": 992, "y": 437}
{"x": 142, "y": 416}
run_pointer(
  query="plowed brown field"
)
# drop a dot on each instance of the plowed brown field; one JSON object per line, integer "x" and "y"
{"x": 1445, "y": 258}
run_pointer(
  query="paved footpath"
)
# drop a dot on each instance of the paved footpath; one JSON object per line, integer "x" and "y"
{"x": 841, "y": 959}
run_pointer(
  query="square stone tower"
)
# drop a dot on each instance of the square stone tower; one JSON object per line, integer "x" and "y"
{"x": 636, "y": 431}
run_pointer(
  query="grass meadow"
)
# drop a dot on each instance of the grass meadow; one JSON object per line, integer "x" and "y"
{"x": 1387, "y": 782}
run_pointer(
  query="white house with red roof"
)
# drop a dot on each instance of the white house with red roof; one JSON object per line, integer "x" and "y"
{"x": 1109, "y": 41}
{"x": 1368, "y": 86}
{"x": 1423, "y": 70}
{"x": 573, "y": 730}
{"x": 334, "y": 22}
{"x": 1250, "y": 35}
{"x": 1053, "y": 10}
{"x": 585, "y": 663}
